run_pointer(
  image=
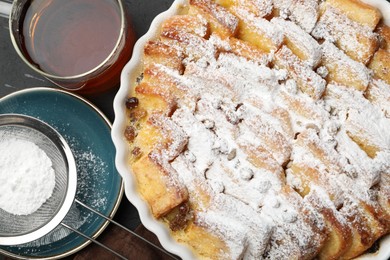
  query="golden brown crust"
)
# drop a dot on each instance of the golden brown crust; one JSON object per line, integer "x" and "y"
{"x": 164, "y": 196}
{"x": 379, "y": 65}
{"x": 384, "y": 36}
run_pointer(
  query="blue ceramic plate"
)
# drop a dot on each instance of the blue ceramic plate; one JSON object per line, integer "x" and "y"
{"x": 99, "y": 186}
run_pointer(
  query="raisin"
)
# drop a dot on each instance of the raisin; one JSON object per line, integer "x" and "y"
{"x": 136, "y": 151}
{"x": 130, "y": 133}
{"x": 179, "y": 217}
{"x": 131, "y": 102}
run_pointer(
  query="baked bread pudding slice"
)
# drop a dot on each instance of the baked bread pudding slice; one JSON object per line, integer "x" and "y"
{"x": 260, "y": 129}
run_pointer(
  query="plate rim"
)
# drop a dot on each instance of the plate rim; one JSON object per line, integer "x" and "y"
{"x": 120, "y": 193}
{"x": 128, "y": 77}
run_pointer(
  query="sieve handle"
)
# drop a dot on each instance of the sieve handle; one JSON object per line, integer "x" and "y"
{"x": 94, "y": 241}
{"x": 5, "y": 9}
{"x": 125, "y": 228}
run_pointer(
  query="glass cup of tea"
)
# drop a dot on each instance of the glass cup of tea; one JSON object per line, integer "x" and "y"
{"x": 79, "y": 45}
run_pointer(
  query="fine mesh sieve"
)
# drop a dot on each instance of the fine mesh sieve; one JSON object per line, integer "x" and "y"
{"x": 16, "y": 230}
{"x": 19, "y": 229}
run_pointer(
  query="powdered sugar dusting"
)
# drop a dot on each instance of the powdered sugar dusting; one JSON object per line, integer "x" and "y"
{"x": 277, "y": 137}
{"x": 379, "y": 94}
{"x": 309, "y": 46}
{"x": 304, "y": 13}
{"x": 261, "y": 25}
{"x": 337, "y": 58}
{"x": 219, "y": 130}
{"x": 91, "y": 170}
{"x": 349, "y": 36}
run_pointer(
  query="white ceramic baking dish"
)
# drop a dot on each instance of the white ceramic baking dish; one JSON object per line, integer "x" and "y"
{"x": 129, "y": 74}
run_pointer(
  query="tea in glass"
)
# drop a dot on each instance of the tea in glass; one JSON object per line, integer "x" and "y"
{"x": 81, "y": 45}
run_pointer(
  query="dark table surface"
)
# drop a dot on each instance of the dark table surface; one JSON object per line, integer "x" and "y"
{"x": 15, "y": 75}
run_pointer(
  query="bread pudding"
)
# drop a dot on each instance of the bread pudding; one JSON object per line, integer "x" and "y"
{"x": 260, "y": 129}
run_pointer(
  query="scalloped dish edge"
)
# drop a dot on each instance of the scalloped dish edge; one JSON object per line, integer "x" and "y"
{"x": 128, "y": 76}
